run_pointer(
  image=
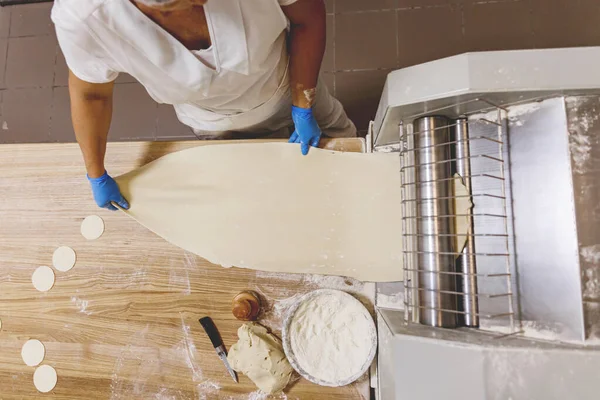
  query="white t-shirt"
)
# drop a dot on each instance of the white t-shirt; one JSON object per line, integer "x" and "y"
{"x": 233, "y": 85}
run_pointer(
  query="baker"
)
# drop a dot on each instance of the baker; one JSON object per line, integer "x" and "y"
{"x": 231, "y": 68}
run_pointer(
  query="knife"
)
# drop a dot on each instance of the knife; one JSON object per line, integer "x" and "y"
{"x": 213, "y": 334}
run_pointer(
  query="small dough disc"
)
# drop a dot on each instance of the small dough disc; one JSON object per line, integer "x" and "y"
{"x": 44, "y": 378}
{"x": 43, "y": 278}
{"x": 64, "y": 258}
{"x": 92, "y": 227}
{"x": 33, "y": 352}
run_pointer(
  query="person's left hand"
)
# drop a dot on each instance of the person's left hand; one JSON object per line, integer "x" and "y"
{"x": 307, "y": 131}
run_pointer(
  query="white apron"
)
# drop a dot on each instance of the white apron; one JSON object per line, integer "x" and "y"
{"x": 243, "y": 87}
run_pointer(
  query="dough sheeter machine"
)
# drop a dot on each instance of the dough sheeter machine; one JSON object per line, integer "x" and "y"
{"x": 515, "y": 312}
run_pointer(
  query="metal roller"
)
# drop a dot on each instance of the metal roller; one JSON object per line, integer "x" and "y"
{"x": 435, "y": 223}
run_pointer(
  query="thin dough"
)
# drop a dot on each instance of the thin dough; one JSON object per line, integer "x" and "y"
{"x": 64, "y": 258}
{"x": 33, "y": 352}
{"x": 462, "y": 205}
{"x": 259, "y": 355}
{"x": 43, "y": 278}
{"x": 92, "y": 227}
{"x": 267, "y": 207}
{"x": 45, "y": 378}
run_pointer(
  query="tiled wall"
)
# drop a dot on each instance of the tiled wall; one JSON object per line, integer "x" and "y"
{"x": 366, "y": 40}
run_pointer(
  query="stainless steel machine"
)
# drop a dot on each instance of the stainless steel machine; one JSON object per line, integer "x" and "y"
{"x": 501, "y": 296}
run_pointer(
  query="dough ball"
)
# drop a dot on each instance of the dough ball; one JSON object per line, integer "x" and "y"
{"x": 259, "y": 355}
{"x": 43, "y": 278}
{"x": 64, "y": 258}
{"x": 33, "y": 352}
{"x": 92, "y": 227}
{"x": 44, "y": 378}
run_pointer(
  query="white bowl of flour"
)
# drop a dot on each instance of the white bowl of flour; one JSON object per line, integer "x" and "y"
{"x": 329, "y": 337}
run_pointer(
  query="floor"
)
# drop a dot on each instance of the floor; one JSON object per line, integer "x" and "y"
{"x": 366, "y": 40}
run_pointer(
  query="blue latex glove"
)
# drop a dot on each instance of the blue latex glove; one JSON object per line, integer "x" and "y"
{"x": 307, "y": 131}
{"x": 106, "y": 191}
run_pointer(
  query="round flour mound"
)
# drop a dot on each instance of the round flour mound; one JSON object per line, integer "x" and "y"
{"x": 332, "y": 337}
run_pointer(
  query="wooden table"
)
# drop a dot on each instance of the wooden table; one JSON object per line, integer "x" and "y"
{"x": 123, "y": 323}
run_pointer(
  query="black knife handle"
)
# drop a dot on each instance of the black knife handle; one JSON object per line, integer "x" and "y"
{"x": 212, "y": 332}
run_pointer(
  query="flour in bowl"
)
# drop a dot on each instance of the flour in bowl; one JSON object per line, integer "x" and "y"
{"x": 332, "y": 336}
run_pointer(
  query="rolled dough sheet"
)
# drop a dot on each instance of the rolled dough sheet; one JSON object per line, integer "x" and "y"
{"x": 462, "y": 205}
{"x": 267, "y": 207}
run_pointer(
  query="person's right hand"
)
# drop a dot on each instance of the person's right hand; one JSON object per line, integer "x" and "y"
{"x": 106, "y": 191}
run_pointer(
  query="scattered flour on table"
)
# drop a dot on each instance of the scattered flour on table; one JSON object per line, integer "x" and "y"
{"x": 207, "y": 388}
{"x": 332, "y": 336}
{"x": 169, "y": 394}
{"x": 135, "y": 366}
{"x": 81, "y": 304}
{"x": 180, "y": 280}
{"x": 188, "y": 349}
{"x": 189, "y": 260}
{"x": 322, "y": 282}
{"x": 258, "y": 395}
{"x": 137, "y": 277}
{"x": 274, "y": 314}
{"x": 278, "y": 305}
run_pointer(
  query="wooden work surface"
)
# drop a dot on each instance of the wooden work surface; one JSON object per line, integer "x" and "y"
{"x": 123, "y": 323}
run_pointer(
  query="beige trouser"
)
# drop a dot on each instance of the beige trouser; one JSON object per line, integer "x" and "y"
{"x": 328, "y": 112}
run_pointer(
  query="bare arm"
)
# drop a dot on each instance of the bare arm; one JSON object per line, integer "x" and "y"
{"x": 306, "y": 48}
{"x": 91, "y": 112}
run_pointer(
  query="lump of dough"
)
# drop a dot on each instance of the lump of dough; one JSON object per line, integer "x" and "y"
{"x": 259, "y": 355}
